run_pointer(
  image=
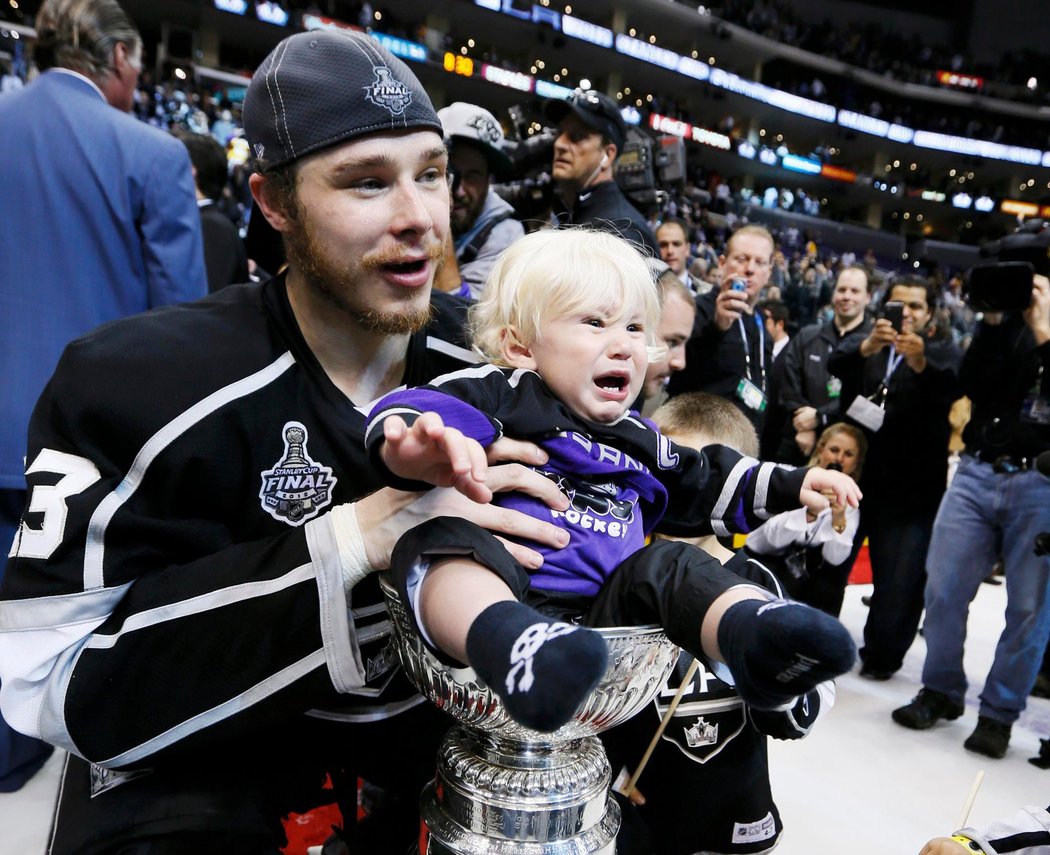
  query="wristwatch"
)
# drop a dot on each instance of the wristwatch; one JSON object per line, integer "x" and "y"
{"x": 970, "y": 845}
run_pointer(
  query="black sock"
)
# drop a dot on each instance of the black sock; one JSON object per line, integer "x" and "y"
{"x": 541, "y": 669}
{"x": 778, "y": 650}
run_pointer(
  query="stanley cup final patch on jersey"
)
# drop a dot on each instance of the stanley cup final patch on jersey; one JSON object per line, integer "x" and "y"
{"x": 389, "y": 92}
{"x": 297, "y": 488}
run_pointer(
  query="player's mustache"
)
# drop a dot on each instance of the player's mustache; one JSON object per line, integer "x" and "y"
{"x": 432, "y": 250}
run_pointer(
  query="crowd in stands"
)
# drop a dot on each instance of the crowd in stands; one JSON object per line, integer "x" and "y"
{"x": 883, "y": 49}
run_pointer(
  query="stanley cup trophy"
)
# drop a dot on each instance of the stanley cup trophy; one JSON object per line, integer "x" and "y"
{"x": 502, "y": 788}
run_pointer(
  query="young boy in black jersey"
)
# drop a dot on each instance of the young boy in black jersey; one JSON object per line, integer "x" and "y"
{"x": 706, "y": 787}
{"x": 567, "y": 322}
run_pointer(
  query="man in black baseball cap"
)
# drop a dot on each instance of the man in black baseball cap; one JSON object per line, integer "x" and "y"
{"x": 591, "y": 135}
{"x": 216, "y": 646}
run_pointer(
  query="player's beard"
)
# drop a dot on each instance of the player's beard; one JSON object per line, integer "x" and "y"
{"x": 337, "y": 282}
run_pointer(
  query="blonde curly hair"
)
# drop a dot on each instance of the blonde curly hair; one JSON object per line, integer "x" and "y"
{"x": 556, "y": 272}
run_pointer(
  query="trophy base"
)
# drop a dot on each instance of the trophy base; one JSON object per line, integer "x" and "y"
{"x": 492, "y": 798}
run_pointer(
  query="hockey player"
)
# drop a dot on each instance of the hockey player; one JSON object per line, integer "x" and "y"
{"x": 189, "y": 608}
{"x": 566, "y": 319}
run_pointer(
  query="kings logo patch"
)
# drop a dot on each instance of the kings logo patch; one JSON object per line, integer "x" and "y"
{"x": 389, "y": 92}
{"x": 297, "y": 488}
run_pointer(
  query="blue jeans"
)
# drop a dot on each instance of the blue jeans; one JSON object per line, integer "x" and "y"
{"x": 20, "y": 756}
{"x": 981, "y": 513}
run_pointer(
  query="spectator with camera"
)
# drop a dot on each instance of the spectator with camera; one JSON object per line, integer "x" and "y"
{"x": 997, "y": 501}
{"x": 729, "y": 353}
{"x": 483, "y": 224}
{"x": 590, "y": 136}
{"x": 899, "y": 387}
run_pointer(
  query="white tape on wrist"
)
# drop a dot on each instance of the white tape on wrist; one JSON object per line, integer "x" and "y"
{"x": 353, "y": 558}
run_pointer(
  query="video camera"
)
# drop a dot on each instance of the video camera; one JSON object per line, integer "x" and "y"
{"x": 530, "y": 191}
{"x": 1006, "y": 284}
{"x": 636, "y": 171}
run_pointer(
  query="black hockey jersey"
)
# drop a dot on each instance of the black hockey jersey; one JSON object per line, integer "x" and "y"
{"x": 706, "y": 784}
{"x": 176, "y": 579}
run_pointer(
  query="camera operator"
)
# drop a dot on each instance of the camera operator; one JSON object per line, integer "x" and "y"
{"x": 591, "y": 134}
{"x": 997, "y": 500}
{"x": 899, "y": 386}
{"x": 483, "y": 224}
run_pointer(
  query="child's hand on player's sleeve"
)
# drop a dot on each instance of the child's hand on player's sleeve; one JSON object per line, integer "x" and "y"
{"x": 429, "y": 451}
{"x": 842, "y": 486}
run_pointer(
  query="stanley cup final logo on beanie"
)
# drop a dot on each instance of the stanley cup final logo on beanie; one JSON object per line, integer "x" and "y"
{"x": 320, "y": 88}
{"x": 389, "y": 92}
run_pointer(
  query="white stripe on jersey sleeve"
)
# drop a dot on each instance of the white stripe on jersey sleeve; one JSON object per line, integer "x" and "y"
{"x": 726, "y": 496}
{"x": 203, "y": 603}
{"x": 258, "y": 692}
{"x": 39, "y": 646}
{"x": 95, "y": 550}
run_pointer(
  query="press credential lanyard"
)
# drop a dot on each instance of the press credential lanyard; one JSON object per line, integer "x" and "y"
{"x": 761, "y": 350}
{"x": 871, "y": 412}
{"x": 884, "y": 387}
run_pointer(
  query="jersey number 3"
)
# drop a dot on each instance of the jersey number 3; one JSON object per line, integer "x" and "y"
{"x": 77, "y": 474}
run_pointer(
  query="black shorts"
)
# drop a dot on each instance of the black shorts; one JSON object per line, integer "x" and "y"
{"x": 668, "y": 582}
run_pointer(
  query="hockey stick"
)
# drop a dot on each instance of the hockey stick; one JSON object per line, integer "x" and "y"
{"x": 686, "y": 680}
{"x": 970, "y": 800}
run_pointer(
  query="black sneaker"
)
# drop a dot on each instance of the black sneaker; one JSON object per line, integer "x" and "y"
{"x": 989, "y": 738}
{"x": 926, "y": 709}
{"x": 880, "y": 674}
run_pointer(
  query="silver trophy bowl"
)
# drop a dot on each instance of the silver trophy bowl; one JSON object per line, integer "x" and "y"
{"x": 504, "y": 788}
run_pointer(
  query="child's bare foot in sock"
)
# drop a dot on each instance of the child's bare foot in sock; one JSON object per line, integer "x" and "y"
{"x": 778, "y": 650}
{"x": 541, "y": 669}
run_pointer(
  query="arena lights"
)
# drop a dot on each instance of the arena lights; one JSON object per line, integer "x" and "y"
{"x": 402, "y": 47}
{"x": 1019, "y": 209}
{"x": 586, "y": 31}
{"x": 236, "y": 7}
{"x": 774, "y": 97}
{"x": 978, "y": 148}
{"x": 984, "y": 204}
{"x": 962, "y": 200}
{"x": 631, "y": 115}
{"x": 767, "y": 156}
{"x": 667, "y": 125}
{"x": 694, "y": 68}
{"x": 319, "y": 22}
{"x": 510, "y": 79}
{"x": 546, "y": 89}
{"x": 837, "y": 173}
{"x": 960, "y": 81}
{"x": 271, "y": 13}
{"x": 794, "y": 163}
{"x": 746, "y": 149}
{"x": 461, "y": 65}
{"x": 933, "y": 196}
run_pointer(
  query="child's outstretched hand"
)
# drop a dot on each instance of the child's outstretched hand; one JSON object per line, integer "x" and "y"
{"x": 429, "y": 451}
{"x": 841, "y": 486}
